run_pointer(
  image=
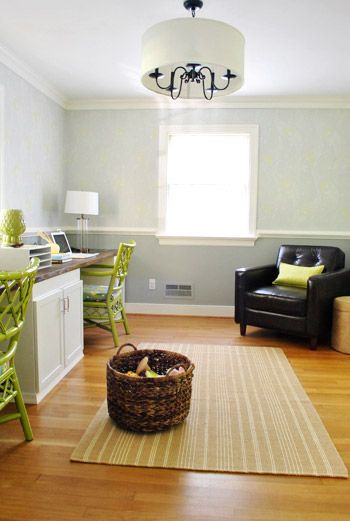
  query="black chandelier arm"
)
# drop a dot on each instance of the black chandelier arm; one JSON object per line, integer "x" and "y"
{"x": 172, "y": 83}
{"x": 206, "y": 89}
{"x": 156, "y": 75}
{"x": 229, "y": 76}
{"x": 192, "y": 73}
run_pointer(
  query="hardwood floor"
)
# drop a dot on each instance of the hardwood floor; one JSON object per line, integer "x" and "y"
{"x": 38, "y": 481}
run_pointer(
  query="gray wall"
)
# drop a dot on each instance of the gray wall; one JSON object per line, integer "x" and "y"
{"x": 304, "y": 163}
{"x": 304, "y": 181}
{"x": 210, "y": 269}
{"x": 304, "y": 184}
{"x": 33, "y": 162}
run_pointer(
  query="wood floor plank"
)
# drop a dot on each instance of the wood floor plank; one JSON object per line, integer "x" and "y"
{"x": 42, "y": 484}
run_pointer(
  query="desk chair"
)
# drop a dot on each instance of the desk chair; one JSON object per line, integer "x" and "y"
{"x": 15, "y": 292}
{"x": 103, "y": 305}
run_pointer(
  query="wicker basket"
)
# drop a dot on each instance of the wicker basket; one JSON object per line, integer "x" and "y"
{"x": 148, "y": 404}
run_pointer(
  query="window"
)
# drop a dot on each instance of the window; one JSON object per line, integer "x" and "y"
{"x": 2, "y": 147}
{"x": 208, "y": 181}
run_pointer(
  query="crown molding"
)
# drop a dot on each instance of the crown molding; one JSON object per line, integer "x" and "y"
{"x": 154, "y": 102}
{"x": 230, "y": 102}
{"x": 10, "y": 60}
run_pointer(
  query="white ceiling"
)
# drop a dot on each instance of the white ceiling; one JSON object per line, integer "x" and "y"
{"x": 91, "y": 48}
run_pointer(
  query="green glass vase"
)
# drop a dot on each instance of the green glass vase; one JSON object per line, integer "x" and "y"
{"x": 12, "y": 226}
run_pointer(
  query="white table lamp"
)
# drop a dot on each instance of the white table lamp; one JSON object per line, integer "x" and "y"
{"x": 82, "y": 203}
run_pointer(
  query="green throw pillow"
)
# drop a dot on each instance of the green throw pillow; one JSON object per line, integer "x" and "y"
{"x": 291, "y": 275}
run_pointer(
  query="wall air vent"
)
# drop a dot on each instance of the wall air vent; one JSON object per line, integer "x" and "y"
{"x": 178, "y": 290}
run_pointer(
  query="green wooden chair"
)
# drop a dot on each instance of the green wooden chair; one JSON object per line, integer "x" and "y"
{"x": 15, "y": 292}
{"x": 103, "y": 305}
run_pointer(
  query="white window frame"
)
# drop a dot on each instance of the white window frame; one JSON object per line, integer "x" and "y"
{"x": 167, "y": 130}
{"x": 2, "y": 146}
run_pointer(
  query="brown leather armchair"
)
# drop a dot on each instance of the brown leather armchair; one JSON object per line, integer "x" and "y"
{"x": 306, "y": 312}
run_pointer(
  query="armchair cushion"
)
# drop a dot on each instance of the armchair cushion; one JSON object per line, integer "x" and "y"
{"x": 291, "y": 275}
{"x": 282, "y": 300}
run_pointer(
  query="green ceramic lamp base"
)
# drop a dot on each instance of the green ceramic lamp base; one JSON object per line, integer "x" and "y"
{"x": 12, "y": 226}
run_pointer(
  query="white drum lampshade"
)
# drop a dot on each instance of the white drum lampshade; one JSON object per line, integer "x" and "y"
{"x": 82, "y": 203}
{"x": 183, "y": 41}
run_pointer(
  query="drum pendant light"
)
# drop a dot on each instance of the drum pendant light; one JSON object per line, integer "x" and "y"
{"x": 192, "y": 57}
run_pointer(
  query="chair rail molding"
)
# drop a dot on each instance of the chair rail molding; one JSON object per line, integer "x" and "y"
{"x": 199, "y": 241}
{"x": 308, "y": 234}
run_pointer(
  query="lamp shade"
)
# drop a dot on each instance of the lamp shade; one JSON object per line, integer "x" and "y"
{"x": 81, "y": 202}
{"x": 182, "y": 41}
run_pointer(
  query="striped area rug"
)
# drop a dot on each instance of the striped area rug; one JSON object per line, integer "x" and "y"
{"x": 249, "y": 414}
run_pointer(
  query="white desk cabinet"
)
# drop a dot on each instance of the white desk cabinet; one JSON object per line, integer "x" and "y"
{"x": 52, "y": 339}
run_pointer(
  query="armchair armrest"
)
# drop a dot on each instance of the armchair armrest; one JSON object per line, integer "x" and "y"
{"x": 322, "y": 290}
{"x": 250, "y": 278}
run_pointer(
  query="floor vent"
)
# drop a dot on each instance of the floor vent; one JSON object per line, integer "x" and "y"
{"x": 179, "y": 290}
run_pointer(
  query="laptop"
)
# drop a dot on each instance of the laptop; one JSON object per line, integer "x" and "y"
{"x": 60, "y": 238}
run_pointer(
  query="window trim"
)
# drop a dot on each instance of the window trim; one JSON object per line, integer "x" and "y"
{"x": 2, "y": 147}
{"x": 165, "y": 237}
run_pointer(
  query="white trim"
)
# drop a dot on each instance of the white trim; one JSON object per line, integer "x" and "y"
{"x": 230, "y": 102}
{"x": 112, "y": 230}
{"x": 202, "y": 241}
{"x": 10, "y": 60}
{"x": 2, "y": 147}
{"x": 253, "y": 131}
{"x": 34, "y": 230}
{"x": 98, "y": 230}
{"x": 312, "y": 234}
{"x": 148, "y": 308}
{"x": 165, "y": 131}
{"x": 205, "y": 241}
{"x": 15, "y": 64}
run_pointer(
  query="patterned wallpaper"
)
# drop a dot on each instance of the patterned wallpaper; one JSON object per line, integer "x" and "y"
{"x": 304, "y": 160}
{"x": 304, "y": 163}
{"x": 32, "y": 177}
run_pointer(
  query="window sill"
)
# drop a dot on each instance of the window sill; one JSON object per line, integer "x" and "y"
{"x": 183, "y": 240}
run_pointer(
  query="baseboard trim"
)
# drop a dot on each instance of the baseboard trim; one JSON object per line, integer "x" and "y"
{"x": 148, "y": 308}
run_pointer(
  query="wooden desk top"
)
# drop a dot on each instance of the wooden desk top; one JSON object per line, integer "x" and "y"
{"x": 74, "y": 264}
